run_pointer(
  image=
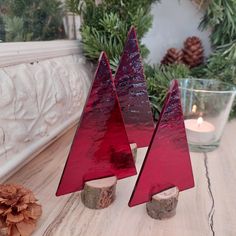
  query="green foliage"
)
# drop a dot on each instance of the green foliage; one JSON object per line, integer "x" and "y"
{"x": 26, "y": 20}
{"x": 105, "y": 25}
{"x": 14, "y": 28}
{"x": 222, "y": 64}
{"x": 105, "y": 28}
{"x": 158, "y": 81}
{"x": 2, "y": 30}
{"x": 73, "y": 6}
{"x": 220, "y": 17}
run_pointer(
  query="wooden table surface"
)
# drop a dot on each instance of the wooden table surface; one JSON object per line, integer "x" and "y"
{"x": 207, "y": 209}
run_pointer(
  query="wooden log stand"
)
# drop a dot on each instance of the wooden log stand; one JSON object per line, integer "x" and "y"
{"x": 134, "y": 150}
{"x": 163, "y": 205}
{"x": 100, "y": 193}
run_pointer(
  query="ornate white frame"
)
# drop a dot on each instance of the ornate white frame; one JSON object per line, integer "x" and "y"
{"x": 23, "y": 52}
{"x": 43, "y": 87}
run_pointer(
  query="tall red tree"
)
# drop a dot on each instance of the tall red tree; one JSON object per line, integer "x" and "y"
{"x": 100, "y": 147}
{"x": 132, "y": 94}
{"x": 167, "y": 162}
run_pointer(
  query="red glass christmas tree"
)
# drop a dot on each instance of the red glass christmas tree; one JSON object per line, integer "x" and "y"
{"x": 100, "y": 147}
{"x": 132, "y": 94}
{"x": 167, "y": 162}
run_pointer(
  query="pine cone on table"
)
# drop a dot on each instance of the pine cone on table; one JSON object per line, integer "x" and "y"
{"x": 19, "y": 210}
{"x": 173, "y": 56}
{"x": 193, "y": 52}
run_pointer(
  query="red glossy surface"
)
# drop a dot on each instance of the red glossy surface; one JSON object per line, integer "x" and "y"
{"x": 132, "y": 94}
{"x": 167, "y": 162}
{"x": 100, "y": 147}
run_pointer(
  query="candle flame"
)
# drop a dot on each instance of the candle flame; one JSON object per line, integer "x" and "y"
{"x": 199, "y": 121}
{"x": 194, "y": 108}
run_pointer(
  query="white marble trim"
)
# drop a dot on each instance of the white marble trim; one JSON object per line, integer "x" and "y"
{"x": 13, "y": 165}
{"x": 26, "y": 52}
{"x": 38, "y": 103}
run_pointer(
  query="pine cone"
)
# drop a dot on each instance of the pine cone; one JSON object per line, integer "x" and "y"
{"x": 19, "y": 210}
{"x": 193, "y": 52}
{"x": 173, "y": 56}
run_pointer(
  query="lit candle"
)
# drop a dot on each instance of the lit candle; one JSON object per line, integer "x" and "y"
{"x": 199, "y": 131}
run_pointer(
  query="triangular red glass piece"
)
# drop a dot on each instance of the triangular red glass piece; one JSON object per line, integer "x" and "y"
{"x": 167, "y": 162}
{"x": 132, "y": 94}
{"x": 100, "y": 147}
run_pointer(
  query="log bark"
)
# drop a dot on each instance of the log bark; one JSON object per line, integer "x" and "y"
{"x": 134, "y": 150}
{"x": 163, "y": 205}
{"x": 100, "y": 193}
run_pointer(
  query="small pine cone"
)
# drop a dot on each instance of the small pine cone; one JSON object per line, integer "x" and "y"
{"x": 173, "y": 56}
{"x": 193, "y": 52}
{"x": 19, "y": 210}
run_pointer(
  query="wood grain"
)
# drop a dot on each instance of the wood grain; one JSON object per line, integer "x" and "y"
{"x": 207, "y": 209}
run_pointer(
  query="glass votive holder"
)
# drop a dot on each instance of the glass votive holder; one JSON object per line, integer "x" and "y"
{"x": 206, "y": 105}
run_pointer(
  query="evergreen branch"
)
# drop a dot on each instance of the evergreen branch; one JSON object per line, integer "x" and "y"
{"x": 105, "y": 26}
{"x": 220, "y": 17}
{"x": 158, "y": 81}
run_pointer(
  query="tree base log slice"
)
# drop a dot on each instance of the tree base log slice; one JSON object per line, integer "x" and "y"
{"x": 100, "y": 193}
{"x": 163, "y": 205}
{"x": 134, "y": 150}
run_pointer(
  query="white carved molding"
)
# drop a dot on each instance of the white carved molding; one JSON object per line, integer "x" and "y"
{"x": 26, "y": 52}
{"x": 38, "y": 102}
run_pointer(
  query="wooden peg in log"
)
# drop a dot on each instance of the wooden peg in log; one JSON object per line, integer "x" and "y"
{"x": 100, "y": 193}
{"x": 163, "y": 205}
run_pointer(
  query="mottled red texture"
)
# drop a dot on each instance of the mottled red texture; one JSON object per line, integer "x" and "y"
{"x": 167, "y": 161}
{"x": 100, "y": 147}
{"x": 132, "y": 94}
